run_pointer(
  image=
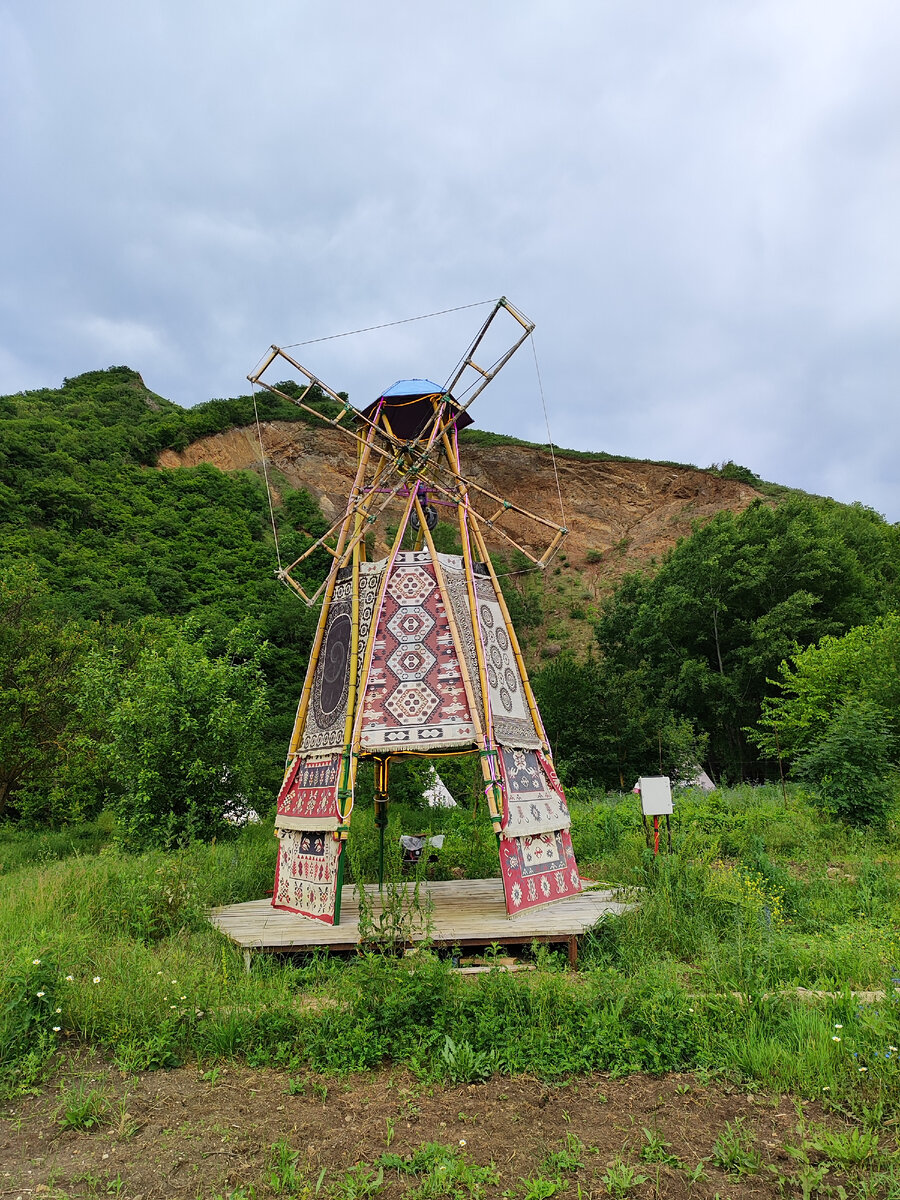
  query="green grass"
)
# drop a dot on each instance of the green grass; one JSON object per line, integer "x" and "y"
{"x": 759, "y": 899}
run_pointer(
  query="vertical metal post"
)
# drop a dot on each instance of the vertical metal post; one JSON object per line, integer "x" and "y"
{"x": 381, "y": 803}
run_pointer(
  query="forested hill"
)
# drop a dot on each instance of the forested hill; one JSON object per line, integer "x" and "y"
{"x": 137, "y": 553}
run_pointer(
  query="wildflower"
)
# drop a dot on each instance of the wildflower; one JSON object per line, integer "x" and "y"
{"x": 839, "y": 1027}
{"x": 96, "y": 979}
{"x": 835, "y": 1038}
{"x": 70, "y": 979}
{"x": 173, "y": 1006}
{"x": 56, "y": 1028}
{"x": 174, "y": 980}
{"x": 462, "y": 1141}
{"x": 159, "y": 972}
{"x": 826, "y": 1088}
{"x": 894, "y": 1048}
{"x": 35, "y": 962}
{"x": 861, "y": 1069}
{"x": 59, "y": 1010}
{"x": 184, "y": 997}
{"x": 39, "y": 994}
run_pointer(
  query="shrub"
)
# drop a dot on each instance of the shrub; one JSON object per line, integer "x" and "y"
{"x": 849, "y": 764}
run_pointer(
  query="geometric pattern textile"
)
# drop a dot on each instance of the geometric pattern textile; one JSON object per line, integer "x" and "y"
{"x": 510, "y": 715}
{"x": 306, "y": 873}
{"x": 308, "y": 797}
{"x": 327, "y": 712}
{"x": 531, "y": 802}
{"x": 537, "y": 869}
{"x": 415, "y": 698}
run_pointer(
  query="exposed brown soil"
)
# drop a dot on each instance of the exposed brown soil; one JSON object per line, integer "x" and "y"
{"x": 628, "y": 511}
{"x": 189, "y": 1133}
{"x": 621, "y": 516}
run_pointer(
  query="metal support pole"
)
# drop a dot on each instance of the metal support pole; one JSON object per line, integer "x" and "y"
{"x": 381, "y": 803}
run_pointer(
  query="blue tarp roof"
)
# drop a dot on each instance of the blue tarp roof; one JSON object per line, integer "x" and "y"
{"x": 412, "y": 387}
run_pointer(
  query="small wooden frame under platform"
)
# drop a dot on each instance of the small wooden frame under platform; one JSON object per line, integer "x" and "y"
{"x": 464, "y": 912}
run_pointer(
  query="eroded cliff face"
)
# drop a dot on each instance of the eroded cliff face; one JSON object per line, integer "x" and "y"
{"x": 620, "y": 515}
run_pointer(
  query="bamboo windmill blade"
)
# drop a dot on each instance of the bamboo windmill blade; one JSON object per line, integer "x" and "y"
{"x": 489, "y": 373}
{"x": 560, "y": 532}
{"x": 313, "y": 380}
{"x": 361, "y": 507}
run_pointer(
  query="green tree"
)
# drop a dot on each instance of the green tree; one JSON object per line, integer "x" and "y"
{"x": 744, "y": 592}
{"x": 182, "y": 733}
{"x": 863, "y": 665}
{"x": 849, "y": 763}
{"x": 607, "y": 727}
{"x": 39, "y": 655}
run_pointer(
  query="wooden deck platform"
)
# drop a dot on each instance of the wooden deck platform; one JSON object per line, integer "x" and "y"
{"x": 464, "y": 912}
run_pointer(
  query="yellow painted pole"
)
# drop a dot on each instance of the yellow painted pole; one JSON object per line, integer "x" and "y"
{"x": 303, "y": 706}
{"x": 484, "y": 746}
{"x": 513, "y": 640}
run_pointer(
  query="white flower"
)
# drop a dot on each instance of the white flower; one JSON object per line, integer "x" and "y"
{"x": 835, "y": 1038}
{"x": 826, "y": 1088}
{"x": 35, "y": 962}
{"x": 70, "y": 979}
{"x": 39, "y": 994}
{"x": 174, "y": 980}
{"x": 863, "y": 1069}
{"x": 159, "y": 972}
{"x": 96, "y": 979}
{"x": 894, "y": 1048}
{"x": 184, "y": 997}
{"x": 59, "y": 1010}
{"x": 173, "y": 1006}
{"x": 462, "y": 1141}
{"x": 839, "y": 1027}
{"x": 56, "y": 1028}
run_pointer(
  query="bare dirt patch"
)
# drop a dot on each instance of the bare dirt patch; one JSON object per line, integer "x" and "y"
{"x": 189, "y": 1132}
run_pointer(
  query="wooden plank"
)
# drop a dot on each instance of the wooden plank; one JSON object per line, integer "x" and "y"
{"x": 470, "y": 911}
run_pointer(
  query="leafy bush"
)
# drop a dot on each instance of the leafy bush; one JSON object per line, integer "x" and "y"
{"x": 849, "y": 763}
{"x": 181, "y": 736}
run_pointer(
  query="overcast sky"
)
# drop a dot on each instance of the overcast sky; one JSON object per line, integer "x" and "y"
{"x": 697, "y": 203}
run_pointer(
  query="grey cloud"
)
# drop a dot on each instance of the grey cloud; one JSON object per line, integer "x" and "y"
{"x": 697, "y": 204}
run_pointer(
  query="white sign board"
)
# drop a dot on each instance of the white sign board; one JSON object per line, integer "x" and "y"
{"x": 656, "y": 795}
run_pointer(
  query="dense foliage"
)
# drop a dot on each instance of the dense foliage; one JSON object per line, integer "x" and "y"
{"x": 703, "y": 635}
{"x": 93, "y": 543}
{"x": 838, "y": 718}
{"x": 148, "y": 579}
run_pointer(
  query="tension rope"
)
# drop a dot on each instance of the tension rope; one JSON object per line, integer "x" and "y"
{"x": 262, "y": 455}
{"x": 389, "y": 324}
{"x": 562, "y": 510}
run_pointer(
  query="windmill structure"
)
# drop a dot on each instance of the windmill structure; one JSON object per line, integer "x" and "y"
{"x": 415, "y": 652}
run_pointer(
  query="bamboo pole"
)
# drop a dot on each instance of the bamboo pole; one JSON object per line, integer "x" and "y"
{"x": 489, "y": 768}
{"x": 376, "y": 616}
{"x": 513, "y": 641}
{"x": 303, "y": 705}
{"x": 485, "y": 747}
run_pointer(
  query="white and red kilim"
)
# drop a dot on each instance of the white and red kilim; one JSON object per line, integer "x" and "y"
{"x": 533, "y": 801}
{"x": 306, "y": 873}
{"x": 537, "y": 869}
{"x": 308, "y": 796}
{"x": 415, "y": 697}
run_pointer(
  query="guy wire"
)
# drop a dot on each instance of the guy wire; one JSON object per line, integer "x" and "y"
{"x": 562, "y": 509}
{"x": 388, "y": 324}
{"x": 262, "y": 455}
